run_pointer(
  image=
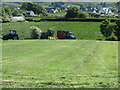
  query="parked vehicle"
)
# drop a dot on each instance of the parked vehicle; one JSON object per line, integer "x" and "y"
{"x": 65, "y": 35}
{"x": 45, "y": 35}
{"x": 60, "y": 35}
{"x": 12, "y": 35}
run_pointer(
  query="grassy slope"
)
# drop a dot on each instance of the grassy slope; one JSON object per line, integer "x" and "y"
{"x": 61, "y": 63}
{"x": 81, "y": 30}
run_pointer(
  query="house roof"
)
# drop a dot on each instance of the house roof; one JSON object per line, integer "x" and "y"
{"x": 115, "y": 12}
{"x": 27, "y": 11}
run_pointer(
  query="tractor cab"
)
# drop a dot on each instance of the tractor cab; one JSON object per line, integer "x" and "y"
{"x": 70, "y": 35}
{"x": 12, "y": 32}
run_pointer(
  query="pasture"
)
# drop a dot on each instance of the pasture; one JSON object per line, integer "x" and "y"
{"x": 59, "y": 63}
{"x": 81, "y": 30}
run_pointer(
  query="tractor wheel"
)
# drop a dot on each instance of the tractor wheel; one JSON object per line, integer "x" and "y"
{"x": 15, "y": 38}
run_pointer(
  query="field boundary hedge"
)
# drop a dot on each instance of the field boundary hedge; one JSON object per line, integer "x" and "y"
{"x": 75, "y": 20}
{"x": 67, "y": 19}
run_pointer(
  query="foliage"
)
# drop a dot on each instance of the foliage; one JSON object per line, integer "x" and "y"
{"x": 96, "y": 15}
{"x": 83, "y": 15}
{"x": 17, "y": 12}
{"x": 106, "y": 28}
{"x": 118, "y": 5}
{"x": 7, "y": 10}
{"x": 35, "y": 32}
{"x": 58, "y": 5}
{"x": 117, "y": 29}
{"x": 6, "y": 14}
{"x": 72, "y": 12}
{"x": 83, "y": 8}
{"x": 36, "y": 8}
{"x": 109, "y": 30}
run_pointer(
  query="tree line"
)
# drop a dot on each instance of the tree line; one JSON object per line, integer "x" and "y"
{"x": 8, "y": 11}
{"x": 75, "y": 12}
{"x": 36, "y": 8}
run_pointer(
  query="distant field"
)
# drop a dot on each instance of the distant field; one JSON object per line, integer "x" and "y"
{"x": 81, "y": 30}
{"x": 60, "y": 64}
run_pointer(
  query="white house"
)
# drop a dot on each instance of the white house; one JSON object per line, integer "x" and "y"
{"x": 105, "y": 11}
{"x": 29, "y": 13}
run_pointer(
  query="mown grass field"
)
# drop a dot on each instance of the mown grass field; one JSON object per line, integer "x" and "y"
{"x": 81, "y": 30}
{"x": 60, "y": 64}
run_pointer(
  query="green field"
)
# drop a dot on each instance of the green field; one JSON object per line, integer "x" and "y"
{"x": 81, "y": 30}
{"x": 60, "y": 64}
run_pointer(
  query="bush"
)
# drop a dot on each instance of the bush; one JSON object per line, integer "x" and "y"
{"x": 117, "y": 29}
{"x": 35, "y": 32}
{"x": 72, "y": 12}
{"x": 106, "y": 28}
{"x": 111, "y": 32}
{"x": 83, "y": 15}
{"x": 95, "y": 15}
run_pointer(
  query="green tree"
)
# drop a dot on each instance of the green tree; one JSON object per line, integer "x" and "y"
{"x": 117, "y": 29}
{"x": 27, "y": 6}
{"x": 72, "y": 12}
{"x": 38, "y": 9}
{"x": 16, "y": 13}
{"x": 6, "y": 14}
{"x": 35, "y": 32}
{"x": 96, "y": 15}
{"x": 83, "y": 8}
{"x": 57, "y": 5}
{"x": 83, "y": 14}
{"x": 118, "y": 6}
{"x": 106, "y": 28}
{"x": 7, "y": 10}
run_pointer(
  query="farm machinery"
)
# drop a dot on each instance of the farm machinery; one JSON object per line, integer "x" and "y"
{"x": 65, "y": 35}
{"x": 46, "y": 35}
{"x": 60, "y": 35}
{"x": 12, "y": 35}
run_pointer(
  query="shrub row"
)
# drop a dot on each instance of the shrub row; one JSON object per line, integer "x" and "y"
{"x": 67, "y": 19}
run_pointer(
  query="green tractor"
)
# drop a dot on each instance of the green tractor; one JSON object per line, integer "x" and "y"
{"x": 45, "y": 35}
